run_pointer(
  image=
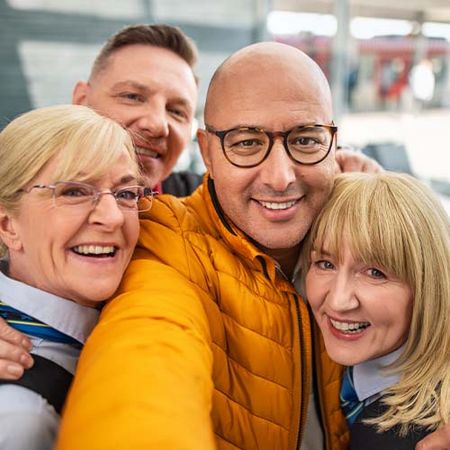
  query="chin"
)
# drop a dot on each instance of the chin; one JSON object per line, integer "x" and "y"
{"x": 93, "y": 299}
{"x": 345, "y": 358}
{"x": 284, "y": 242}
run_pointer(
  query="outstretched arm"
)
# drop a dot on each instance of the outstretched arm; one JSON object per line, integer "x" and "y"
{"x": 144, "y": 379}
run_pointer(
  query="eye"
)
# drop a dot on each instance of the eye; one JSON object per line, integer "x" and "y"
{"x": 74, "y": 191}
{"x": 248, "y": 143}
{"x": 177, "y": 112}
{"x": 324, "y": 264}
{"x": 308, "y": 138}
{"x": 307, "y": 141}
{"x": 132, "y": 97}
{"x": 130, "y": 194}
{"x": 373, "y": 272}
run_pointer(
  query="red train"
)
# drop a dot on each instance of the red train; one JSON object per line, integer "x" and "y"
{"x": 379, "y": 68}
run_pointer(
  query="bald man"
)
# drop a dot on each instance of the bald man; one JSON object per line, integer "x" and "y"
{"x": 209, "y": 344}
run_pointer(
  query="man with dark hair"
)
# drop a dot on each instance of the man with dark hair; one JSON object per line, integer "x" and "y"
{"x": 143, "y": 78}
{"x": 163, "y": 36}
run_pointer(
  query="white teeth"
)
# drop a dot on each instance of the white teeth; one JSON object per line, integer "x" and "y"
{"x": 146, "y": 152}
{"x": 278, "y": 205}
{"x": 349, "y": 327}
{"x": 93, "y": 250}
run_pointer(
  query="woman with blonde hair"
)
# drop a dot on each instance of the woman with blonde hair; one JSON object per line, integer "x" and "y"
{"x": 69, "y": 192}
{"x": 378, "y": 283}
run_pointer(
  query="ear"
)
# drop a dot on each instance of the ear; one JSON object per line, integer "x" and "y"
{"x": 202, "y": 138}
{"x": 80, "y": 93}
{"x": 8, "y": 231}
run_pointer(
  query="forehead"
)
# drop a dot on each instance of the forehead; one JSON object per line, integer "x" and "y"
{"x": 270, "y": 97}
{"x": 89, "y": 164}
{"x": 154, "y": 67}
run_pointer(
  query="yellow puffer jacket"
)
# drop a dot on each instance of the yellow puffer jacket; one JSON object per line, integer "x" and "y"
{"x": 207, "y": 346}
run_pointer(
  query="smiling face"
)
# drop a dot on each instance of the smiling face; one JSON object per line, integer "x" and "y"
{"x": 152, "y": 92}
{"x": 275, "y": 202}
{"x": 77, "y": 252}
{"x": 362, "y": 311}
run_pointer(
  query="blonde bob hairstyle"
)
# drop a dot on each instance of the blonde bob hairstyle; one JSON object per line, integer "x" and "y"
{"x": 86, "y": 144}
{"x": 394, "y": 222}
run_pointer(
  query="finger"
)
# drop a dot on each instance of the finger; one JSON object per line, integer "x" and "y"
{"x": 371, "y": 166}
{"x": 15, "y": 354}
{"x": 13, "y": 336}
{"x": 10, "y": 371}
{"x": 337, "y": 168}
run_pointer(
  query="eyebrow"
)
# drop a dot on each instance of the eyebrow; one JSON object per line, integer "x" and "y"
{"x": 322, "y": 252}
{"x": 130, "y": 83}
{"x": 125, "y": 179}
{"x": 145, "y": 90}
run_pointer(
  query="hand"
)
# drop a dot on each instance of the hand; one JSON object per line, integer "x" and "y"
{"x": 351, "y": 161}
{"x": 438, "y": 440}
{"x": 14, "y": 352}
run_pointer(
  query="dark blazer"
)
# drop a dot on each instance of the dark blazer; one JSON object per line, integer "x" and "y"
{"x": 181, "y": 184}
{"x": 366, "y": 437}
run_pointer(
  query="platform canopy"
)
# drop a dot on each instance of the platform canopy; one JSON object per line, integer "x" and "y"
{"x": 420, "y": 10}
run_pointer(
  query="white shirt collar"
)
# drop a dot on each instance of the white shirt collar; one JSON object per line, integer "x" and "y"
{"x": 64, "y": 315}
{"x": 369, "y": 378}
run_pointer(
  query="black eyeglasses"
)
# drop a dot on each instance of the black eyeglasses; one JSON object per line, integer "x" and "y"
{"x": 72, "y": 193}
{"x": 249, "y": 146}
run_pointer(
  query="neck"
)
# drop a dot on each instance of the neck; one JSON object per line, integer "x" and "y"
{"x": 286, "y": 257}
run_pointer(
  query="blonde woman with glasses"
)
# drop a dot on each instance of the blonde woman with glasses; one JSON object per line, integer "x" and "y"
{"x": 379, "y": 287}
{"x": 70, "y": 192}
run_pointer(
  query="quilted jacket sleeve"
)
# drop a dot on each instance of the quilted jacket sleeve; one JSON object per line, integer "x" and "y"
{"x": 144, "y": 377}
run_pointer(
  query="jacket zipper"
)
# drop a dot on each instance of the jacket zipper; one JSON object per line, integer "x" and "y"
{"x": 318, "y": 370}
{"x": 304, "y": 400}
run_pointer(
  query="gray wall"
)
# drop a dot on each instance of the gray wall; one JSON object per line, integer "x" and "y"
{"x": 47, "y": 45}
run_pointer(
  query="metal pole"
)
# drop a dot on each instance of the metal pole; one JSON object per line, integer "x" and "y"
{"x": 259, "y": 30}
{"x": 340, "y": 62}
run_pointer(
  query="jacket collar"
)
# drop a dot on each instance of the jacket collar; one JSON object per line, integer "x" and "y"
{"x": 234, "y": 237}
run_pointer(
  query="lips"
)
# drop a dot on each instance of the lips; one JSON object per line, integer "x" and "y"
{"x": 95, "y": 250}
{"x": 349, "y": 327}
{"x": 141, "y": 151}
{"x": 277, "y": 206}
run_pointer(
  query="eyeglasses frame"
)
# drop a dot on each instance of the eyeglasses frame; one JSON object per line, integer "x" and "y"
{"x": 147, "y": 192}
{"x": 272, "y": 135}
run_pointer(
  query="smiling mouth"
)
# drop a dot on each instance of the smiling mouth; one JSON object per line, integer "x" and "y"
{"x": 349, "y": 327}
{"x": 95, "y": 251}
{"x": 277, "y": 206}
{"x": 147, "y": 152}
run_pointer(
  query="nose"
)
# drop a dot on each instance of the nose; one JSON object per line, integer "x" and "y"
{"x": 153, "y": 119}
{"x": 342, "y": 295}
{"x": 278, "y": 170}
{"x": 106, "y": 212}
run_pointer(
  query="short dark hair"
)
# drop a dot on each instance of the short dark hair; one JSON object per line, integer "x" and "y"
{"x": 156, "y": 35}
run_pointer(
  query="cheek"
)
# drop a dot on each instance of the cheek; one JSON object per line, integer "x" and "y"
{"x": 313, "y": 291}
{"x": 131, "y": 231}
{"x": 179, "y": 137}
{"x": 404, "y": 316}
{"x": 320, "y": 178}
{"x": 231, "y": 190}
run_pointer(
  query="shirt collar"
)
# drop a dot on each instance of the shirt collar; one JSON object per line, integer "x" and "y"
{"x": 64, "y": 315}
{"x": 369, "y": 378}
